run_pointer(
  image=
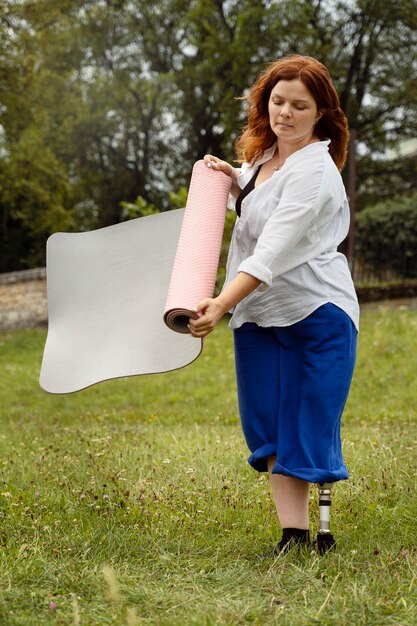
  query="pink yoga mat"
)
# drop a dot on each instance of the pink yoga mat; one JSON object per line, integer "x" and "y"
{"x": 197, "y": 257}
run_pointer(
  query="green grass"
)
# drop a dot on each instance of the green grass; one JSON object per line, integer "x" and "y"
{"x": 132, "y": 502}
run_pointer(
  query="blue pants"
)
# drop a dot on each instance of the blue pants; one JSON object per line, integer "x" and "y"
{"x": 292, "y": 384}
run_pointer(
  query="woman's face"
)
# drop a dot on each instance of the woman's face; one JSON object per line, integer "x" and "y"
{"x": 292, "y": 111}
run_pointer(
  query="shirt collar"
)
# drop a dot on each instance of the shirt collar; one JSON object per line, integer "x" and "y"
{"x": 269, "y": 153}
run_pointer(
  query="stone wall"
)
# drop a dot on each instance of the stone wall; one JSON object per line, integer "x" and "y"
{"x": 23, "y": 302}
{"x": 23, "y": 299}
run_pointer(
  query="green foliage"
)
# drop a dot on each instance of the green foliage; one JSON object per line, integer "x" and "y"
{"x": 139, "y": 208}
{"x": 386, "y": 237}
{"x": 178, "y": 199}
{"x": 32, "y": 199}
{"x": 132, "y": 502}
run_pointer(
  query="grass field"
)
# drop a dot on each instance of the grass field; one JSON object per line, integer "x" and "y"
{"x": 132, "y": 502}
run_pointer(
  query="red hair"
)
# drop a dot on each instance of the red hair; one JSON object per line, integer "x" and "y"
{"x": 258, "y": 135}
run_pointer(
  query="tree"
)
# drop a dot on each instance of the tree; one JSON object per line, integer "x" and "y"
{"x": 34, "y": 191}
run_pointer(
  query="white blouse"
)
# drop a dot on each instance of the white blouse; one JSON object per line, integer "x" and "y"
{"x": 287, "y": 237}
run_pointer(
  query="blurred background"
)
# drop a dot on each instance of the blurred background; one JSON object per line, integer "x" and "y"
{"x": 106, "y": 104}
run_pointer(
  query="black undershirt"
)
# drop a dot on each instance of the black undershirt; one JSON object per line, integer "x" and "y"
{"x": 246, "y": 190}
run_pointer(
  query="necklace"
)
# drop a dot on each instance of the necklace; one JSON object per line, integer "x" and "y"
{"x": 278, "y": 167}
{"x": 280, "y": 163}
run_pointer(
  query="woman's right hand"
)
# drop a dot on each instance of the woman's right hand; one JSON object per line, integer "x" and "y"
{"x": 218, "y": 164}
{"x": 224, "y": 166}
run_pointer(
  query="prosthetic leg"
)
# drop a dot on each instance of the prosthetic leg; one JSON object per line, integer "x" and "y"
{"x": 325, "y": 539}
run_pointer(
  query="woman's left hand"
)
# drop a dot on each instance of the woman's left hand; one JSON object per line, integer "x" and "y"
{"x": 211, "y": 311}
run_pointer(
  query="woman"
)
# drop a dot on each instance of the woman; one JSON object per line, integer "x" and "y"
{"x": 295, "y": 311}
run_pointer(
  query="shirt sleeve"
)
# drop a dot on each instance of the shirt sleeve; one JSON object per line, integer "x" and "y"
{"x": 290, "y": 235}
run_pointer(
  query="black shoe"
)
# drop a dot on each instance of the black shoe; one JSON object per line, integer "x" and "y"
{"x": 292, "y": 537}
{"x": 325, "y": 542}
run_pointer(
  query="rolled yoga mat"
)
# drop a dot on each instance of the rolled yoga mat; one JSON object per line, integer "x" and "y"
{"x": 107, "y": 292}
{"x": 197, "y": 257}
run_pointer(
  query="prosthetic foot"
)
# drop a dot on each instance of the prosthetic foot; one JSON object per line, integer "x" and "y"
{"x": 325, "y": 539}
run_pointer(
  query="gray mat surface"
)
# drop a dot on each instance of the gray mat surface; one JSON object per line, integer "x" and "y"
{"x": 106, "y": 297}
